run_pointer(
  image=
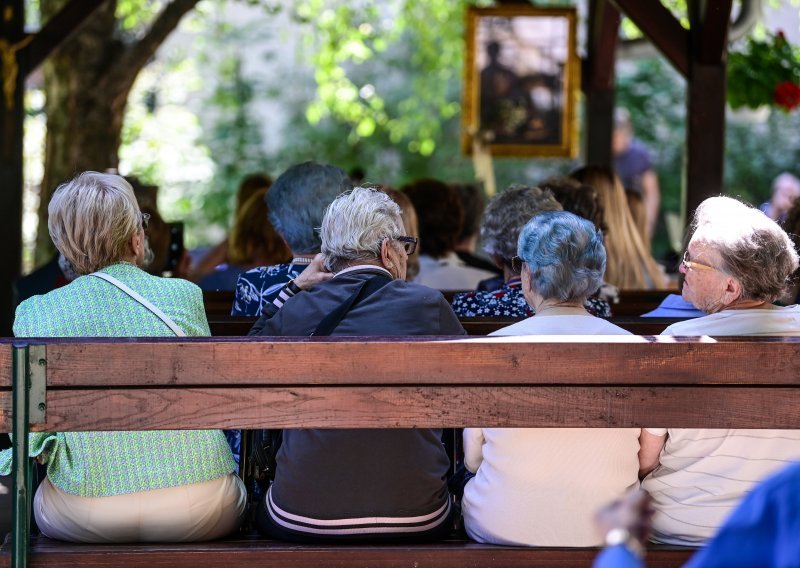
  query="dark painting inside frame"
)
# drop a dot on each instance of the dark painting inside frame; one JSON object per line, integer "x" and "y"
{"x": 521, "y": 81}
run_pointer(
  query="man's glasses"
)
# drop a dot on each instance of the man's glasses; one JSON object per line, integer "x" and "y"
{"x": 145, "y": 219}
{"x": 690, "y": 264}
{"x": 409, "y": 243}
{"x": 516, "y": 264}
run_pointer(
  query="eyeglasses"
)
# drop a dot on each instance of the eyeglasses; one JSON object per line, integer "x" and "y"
{"x": 689, "y": 264}
{"x": 145, "y": 219}
{"x": 409, "y": 243}
{"x": 516, "y": 264}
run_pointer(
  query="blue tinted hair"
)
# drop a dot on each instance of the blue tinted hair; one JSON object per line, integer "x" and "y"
{"x": 297, "y": 201}
{"x": 565, "y": 255}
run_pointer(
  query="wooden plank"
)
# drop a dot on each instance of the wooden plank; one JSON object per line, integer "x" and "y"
{"x": 714, "y": 24}
{"x": 5, "y": 365}
{"x": 661, "y": 28}
{"x": 598, "y": 81}
{"x": 272, "y": 554}
{"x": 536, "y": 360}
{"x": 417, "y": 406}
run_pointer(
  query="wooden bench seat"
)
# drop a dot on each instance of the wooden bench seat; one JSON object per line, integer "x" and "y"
{"x": 258, "y": 552}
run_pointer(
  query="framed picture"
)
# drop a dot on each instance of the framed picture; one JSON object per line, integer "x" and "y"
{"x": 522, "y": 78}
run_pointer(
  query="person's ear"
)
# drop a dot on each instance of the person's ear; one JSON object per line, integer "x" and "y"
{"x": 733, "y": 290}
{"x": 386, "y": 254}
{"x": 136, "y": 244}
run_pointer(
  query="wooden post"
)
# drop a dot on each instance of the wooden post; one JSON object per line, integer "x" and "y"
{"x": 707, "y": 81}
{"x": 598, "y": 81}
{"x": 12, "y": 63}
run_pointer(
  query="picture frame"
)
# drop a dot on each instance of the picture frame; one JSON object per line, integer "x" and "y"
{"x": 521, "y": 81}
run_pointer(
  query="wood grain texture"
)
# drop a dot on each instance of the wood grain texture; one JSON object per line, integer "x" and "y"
{"x": 5, "y": 365}
{"x": 531, "y": 360}
{"x": 271, "y": 554}
{"x": 419, "y": 406}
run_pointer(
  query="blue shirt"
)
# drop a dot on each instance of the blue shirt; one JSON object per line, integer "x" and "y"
{"x": 674, "y": 306}
{"x": 258, "y": 287}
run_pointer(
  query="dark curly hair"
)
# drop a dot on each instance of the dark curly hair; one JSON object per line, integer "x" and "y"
{"x": 440, "y": 215}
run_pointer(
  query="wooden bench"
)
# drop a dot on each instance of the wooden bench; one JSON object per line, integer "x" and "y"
{"x": 130, "y": 384}
{"x": 232, "y": 326}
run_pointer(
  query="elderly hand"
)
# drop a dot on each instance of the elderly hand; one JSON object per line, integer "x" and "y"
{"x": 633, "y": 513}
{"x": 313, "y": 274}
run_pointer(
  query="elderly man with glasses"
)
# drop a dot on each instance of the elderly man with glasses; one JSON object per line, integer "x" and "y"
{"x": 345, "y": 485}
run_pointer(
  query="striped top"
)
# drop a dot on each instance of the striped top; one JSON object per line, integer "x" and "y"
{"x": 99, "y": 464}
{"x": 704, "y": 473}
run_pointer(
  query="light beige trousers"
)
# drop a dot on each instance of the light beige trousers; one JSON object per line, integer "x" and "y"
{"x": 198, "y": 511}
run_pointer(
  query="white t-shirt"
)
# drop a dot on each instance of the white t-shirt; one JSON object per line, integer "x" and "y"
{"x": 704, "y": 473}
{"x": 449, "y": 273}
{"x": 542, "y": 486}
{"x": 562, "y": 325}
{"x": 781, "y": 321}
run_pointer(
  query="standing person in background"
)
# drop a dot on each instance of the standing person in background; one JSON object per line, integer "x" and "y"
{"x": 441, "y": 216}
{"x": 296, "y": 203}
{"x": 785, "y": 191}
{"x": 634, "y": 167}
{"x": 630, "y": 265}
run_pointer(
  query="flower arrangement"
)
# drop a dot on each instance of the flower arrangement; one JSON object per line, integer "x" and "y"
{"x": 766, "y": 72}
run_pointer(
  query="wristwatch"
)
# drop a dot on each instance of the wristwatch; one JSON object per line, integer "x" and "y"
{"x": 624, "y": 537}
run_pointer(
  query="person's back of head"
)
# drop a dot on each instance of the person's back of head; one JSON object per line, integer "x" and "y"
{"x": 250, "y": 185}
{"x": 507, "y": 213}
{"x": 474, "y": 203}
{"x": 629, "y": 263}
{"x": 91, "y": 220}
{"x": 577, "y": 198}
{"x": 440, "y": 215}
{"x": 297, "y": 202}
{"x": 254, "y": 241}
{"x": 639, "y": 213}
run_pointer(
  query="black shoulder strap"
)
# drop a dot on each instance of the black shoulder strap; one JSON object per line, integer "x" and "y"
{"x": 364, "y": 291}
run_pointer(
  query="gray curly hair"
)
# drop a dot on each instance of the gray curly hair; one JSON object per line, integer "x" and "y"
{"x": 506, "y": 214}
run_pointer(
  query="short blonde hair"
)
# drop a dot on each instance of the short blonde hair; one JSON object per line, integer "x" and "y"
{"x": 91, "y": 219}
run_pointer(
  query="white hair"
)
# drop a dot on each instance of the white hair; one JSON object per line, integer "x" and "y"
{"x": 91, "y": 219}
{"x": 355, "y": 224}
{"x": 754, "y": 249}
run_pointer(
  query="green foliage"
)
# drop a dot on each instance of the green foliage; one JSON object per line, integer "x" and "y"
{"x": 134, "y": 15}
{"x": 763, "y": 65}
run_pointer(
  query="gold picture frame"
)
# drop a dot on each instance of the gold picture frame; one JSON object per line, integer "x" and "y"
{"x": 521, "y": 81}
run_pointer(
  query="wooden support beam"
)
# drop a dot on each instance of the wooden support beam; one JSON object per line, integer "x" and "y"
{"x": 13, "y": 65}
{"x": 707, "y": 82}
{"x": 661, "y": 28}
{"x": 58, "y": 29}
{"x": 598, "y": 80}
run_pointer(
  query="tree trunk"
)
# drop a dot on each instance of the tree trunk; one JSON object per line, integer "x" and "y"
{"x": 87, "y": 83}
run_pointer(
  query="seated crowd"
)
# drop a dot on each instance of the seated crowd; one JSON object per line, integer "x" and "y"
{"x": 552, "y": 250}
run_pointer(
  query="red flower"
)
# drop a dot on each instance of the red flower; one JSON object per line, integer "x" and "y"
{"x": 787, "y": 95}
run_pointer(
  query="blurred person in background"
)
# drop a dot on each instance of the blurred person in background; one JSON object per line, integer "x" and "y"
{"x": 785, "y": 191}
{"x": 441, "y": 218}
{"x": 630, "y": 264}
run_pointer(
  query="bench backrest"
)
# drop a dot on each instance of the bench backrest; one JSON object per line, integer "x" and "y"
{"x": 406, "y": 382}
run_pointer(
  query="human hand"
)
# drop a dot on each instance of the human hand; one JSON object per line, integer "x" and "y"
{"x": 632, "y": 512}
{"x": 313, "y": 274}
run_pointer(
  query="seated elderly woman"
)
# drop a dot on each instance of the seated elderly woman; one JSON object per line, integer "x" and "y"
{"x": 359, "y": 484}
{"x": 503, "y": 220}
{"x": 122, "y": 486}
{"x": 541, "y": 486}
{"x": 737, "y": 263}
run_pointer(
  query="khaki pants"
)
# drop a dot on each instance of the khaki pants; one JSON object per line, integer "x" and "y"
{"x": 198, "y": 511}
